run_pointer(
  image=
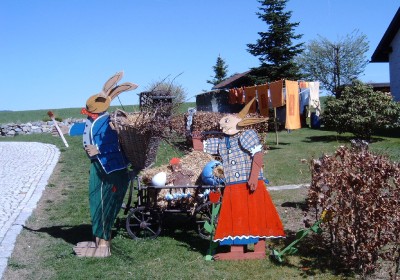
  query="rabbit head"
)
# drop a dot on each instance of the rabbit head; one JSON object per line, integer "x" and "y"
{"x": 100, "y": 102}
{"x": 233, "y": 124}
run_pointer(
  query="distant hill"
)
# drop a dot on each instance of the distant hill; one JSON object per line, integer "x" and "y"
{"x": 7, "y": 116}
{"x": 40, "y": 115}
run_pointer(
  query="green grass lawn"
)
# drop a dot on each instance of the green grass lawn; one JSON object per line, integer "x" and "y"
{"x": 288, "y": 162}
{"x": 44, "y": 248}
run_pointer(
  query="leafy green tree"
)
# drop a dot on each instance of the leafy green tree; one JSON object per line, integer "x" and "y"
{"x": 275, "y": 48}
{"x": 220, "y": 70}
{"x": 335, "y": 64}
{"x": 361, "y": 110}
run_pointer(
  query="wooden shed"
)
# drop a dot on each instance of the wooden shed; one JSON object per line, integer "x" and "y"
{"x": 217, "y": 100}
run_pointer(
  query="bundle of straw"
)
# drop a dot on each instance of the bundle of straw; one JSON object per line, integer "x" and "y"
{"x": 193, "y": 161}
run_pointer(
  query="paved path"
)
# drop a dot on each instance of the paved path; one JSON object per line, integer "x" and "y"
{"x": 287, "y": 187}
{"x": 25, "y": 168}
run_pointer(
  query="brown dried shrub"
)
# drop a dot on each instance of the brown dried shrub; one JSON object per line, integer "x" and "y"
{"x": 361, "y": 191}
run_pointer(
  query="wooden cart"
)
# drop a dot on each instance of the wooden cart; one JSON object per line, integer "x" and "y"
{"x": 145, "y": 218}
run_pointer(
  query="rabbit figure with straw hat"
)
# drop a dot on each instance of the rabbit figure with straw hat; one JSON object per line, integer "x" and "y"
{"x": 247, "y": 215}
{"x": 109, "y": 176}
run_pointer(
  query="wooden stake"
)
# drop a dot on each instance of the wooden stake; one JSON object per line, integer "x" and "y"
{"x": 51, "y": 115}
{"x": 276, "y": 128}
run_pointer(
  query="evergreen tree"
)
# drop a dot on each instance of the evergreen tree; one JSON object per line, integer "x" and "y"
{"x": 220, "y": 70}
{"x": 275, "y": 48}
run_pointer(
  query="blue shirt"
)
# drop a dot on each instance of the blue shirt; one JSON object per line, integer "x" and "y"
{"x": 100, "y": 134}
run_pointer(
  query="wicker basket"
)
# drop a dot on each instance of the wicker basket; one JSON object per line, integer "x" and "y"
{"x": 139, "y": 146}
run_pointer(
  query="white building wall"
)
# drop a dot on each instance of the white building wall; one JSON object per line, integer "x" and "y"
{"x": 394, "y": 67}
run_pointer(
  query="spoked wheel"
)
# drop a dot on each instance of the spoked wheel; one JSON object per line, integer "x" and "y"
{"x": 143, "y": 223}
{"x": 203, "y": 214}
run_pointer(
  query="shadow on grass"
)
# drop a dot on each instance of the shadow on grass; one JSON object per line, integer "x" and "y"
{"x": 336, "y": 138}
{"x": 183, "y": 228}
{"x": 314, "y": 256}
{"x": 388, "y": 132}
{"x": 178, "y": 226}
{"x": 70, "y": 234}
{"x": 297, "y": 205}
{"x": 277, "y": 147}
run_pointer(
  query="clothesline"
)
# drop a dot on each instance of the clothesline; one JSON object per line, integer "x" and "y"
{"x": 239, "y": 93}
{"x": 278, "y": 94}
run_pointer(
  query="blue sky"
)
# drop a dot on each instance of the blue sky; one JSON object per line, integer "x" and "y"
{"x": 55, "y": 54}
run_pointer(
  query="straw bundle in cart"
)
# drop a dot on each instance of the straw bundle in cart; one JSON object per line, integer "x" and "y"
{"x": 192, "y": 165}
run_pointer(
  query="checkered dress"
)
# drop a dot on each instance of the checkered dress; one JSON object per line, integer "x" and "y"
{"x": 236, "y": 152}
{"x": 245, "y": 216}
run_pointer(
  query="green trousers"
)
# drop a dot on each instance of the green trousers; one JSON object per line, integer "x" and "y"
{"x": 106, "y": 194}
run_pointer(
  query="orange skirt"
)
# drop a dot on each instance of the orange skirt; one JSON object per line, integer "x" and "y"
{"x": 246, "y": 215}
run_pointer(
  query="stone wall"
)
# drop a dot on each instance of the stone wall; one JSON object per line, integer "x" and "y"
{"x": 12, "y": 129}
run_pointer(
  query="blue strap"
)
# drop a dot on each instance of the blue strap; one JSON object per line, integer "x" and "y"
{"x": 227, "y": 142}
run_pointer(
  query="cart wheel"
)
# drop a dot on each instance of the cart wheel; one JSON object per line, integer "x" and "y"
{"x": 143, "y": 223}
{"x": 203, "y": 214}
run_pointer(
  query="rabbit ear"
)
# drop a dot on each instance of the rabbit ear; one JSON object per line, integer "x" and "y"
{"x": 251, "y": 121}
{"x": 112, "y": 82}
{"x": 121, "y": 88}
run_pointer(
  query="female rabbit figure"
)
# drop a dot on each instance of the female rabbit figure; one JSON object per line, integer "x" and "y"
{"x": 247, "y": 215}
{"x": 109, "y": 177}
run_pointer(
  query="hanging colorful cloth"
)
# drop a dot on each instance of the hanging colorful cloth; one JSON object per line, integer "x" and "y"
{"x": 262, "y": 92}
{"x": 276, "y": 91}
{"x": 240, "y": 96}
{"x": 303, "y": 84}
{"x": 314, "y": 97}
{"x": 250, "y": 93}
{"x": 292, "y": 105}
{"x": 232, "y": 97}
{"x": 304, "y": 98}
